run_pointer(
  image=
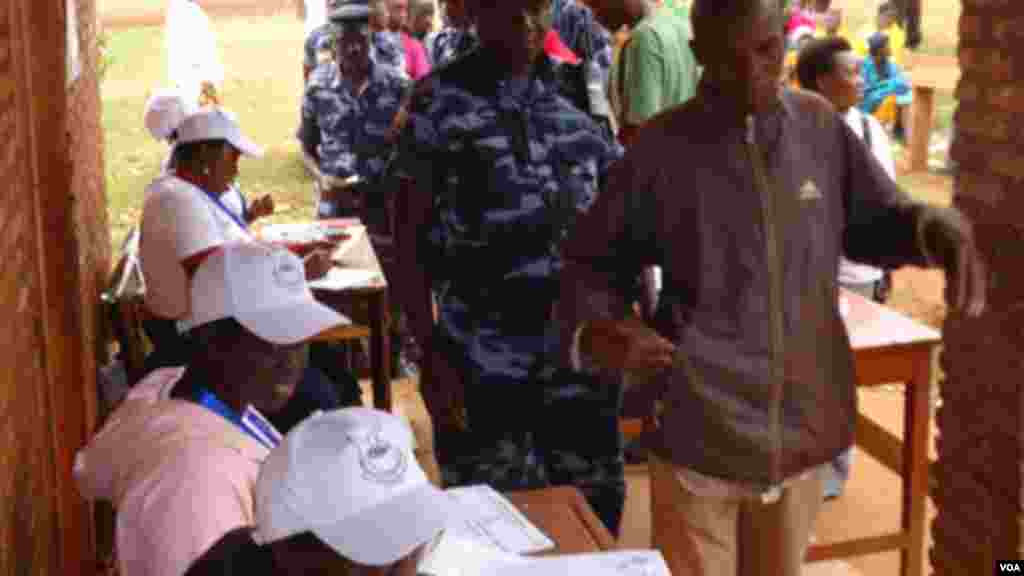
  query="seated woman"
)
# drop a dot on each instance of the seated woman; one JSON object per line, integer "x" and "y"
{"x": 185, "y": 216}
{"x": 887, "y": 94}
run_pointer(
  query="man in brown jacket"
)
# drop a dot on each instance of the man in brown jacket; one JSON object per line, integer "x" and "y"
{"x": 745, "y": 196}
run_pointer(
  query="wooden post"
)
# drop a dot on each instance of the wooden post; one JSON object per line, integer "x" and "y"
{"x": 921, "y": 126}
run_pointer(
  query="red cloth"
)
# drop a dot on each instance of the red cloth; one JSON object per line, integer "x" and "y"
{"x": 555, "y": 48}
{"x": 416, "y": 63}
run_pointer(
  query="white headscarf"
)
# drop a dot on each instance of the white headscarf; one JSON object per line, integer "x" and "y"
{"x": 192, "y": 55}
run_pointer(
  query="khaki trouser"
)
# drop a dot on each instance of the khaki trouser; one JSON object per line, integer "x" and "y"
{"x": 708, "y": 536}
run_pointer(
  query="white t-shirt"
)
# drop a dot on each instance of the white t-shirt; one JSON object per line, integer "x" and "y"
{"x": 852, "y": 272}
{"x": 178, "y": 221}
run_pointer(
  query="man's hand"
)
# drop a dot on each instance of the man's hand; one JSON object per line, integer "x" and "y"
{"x": 317, "y": 263}
{"x": 949, "y": 238}
{"x": 261, "y": 208}
{"x": 398, "y": 124}
{"x": 627, "y": 344}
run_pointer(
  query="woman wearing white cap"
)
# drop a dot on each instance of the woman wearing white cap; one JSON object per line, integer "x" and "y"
{"x": 187, "y": 213}
{"x": 165, "y": 112}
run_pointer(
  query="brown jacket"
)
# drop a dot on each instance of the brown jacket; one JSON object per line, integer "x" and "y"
{"x": 749, "y": 237}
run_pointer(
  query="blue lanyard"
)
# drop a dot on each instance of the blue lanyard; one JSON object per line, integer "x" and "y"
{"x": 250, "y": 422}
{"x": 216, "y": 200}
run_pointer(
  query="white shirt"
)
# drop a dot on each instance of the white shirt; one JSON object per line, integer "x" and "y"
{"x": 178, "y": 221}
{"x": 852, "y": 272}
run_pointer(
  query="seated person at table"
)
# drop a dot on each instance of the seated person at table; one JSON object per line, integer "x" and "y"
{"x": 831, "y": 68}
{"x": 180, "y": 456}
{"x": 350, "y": 104}
{"x": 343, "y": 495}
{"x": 164, "y": 113}
{"x": 501, "y": 166}
{"x": 185, "y": 215}
{"x": 887, "y": 94}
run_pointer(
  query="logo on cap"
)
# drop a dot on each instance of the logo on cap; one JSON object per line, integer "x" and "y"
{"x": 286, "y": 272}
{"x": 380, "y": 461}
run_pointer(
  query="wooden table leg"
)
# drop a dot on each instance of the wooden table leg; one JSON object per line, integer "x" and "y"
{"x": 916, "y": 425}
{"x": 380, "y": 351}
{"x": 923, "y": 108}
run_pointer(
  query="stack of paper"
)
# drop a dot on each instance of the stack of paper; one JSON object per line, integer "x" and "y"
{"x": 490, "y": 537}
{"x": 618, "y": 563}
{"x": 488, "y": 518}
{"x": 454, "y": 556}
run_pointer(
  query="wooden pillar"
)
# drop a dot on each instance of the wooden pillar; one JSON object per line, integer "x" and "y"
{"x": 978, "y": 494}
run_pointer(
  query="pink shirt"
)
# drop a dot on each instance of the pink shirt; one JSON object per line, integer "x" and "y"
{"x": 416, "y": 63}
{"x": 179, "y": 475}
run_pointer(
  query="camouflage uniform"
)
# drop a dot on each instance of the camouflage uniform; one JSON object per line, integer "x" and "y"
{"x": 510, "y": 164}
{"x": 571, "y": 20}
{"x": 353, "y": 130}
{"x": 385, "y": 49}
{"x": 447, "y": 44}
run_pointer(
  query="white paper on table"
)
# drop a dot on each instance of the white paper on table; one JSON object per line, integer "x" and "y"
{"x": 490, "y": 519}
{"x": 455, "y": 556}
{"x": 293, "y": 233}
{"x": 617, "y": 563}
{"x": 342, "y": 278}
{"x": 356, "y": 250}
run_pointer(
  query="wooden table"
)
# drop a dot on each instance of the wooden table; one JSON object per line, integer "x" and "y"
{"x": 926, "y": 78}
{"x": 889, "y": 347}
{"x": 368, "y": 306}
{"x": 564, "y": 515}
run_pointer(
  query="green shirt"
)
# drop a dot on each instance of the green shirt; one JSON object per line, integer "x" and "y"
{"x": 659, "y": 70}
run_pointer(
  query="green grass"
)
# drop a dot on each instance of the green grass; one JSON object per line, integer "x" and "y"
{"x": 263, "y": 62}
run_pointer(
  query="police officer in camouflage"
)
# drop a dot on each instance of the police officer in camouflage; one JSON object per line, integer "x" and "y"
{"x": 583, "y": 34}
{"x": 454, "y": 39}
{"x": 318, "y": 49}
{"x": 351, "y": 103}
{"x": 500, "y": 166}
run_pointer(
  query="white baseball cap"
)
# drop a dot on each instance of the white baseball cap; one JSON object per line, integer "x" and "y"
{"x": 349, "y": 476}
{"x": 262, "y": 287}
{"x": 165, "y": 111}
{"x": 216, "y": 123}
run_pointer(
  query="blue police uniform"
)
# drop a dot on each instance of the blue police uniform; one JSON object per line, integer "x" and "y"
{"x": 510, "y": 164}
{"x": 353, "y": 129}
{"x": 572, "y": 21}
{"x": 447, "y": 44}
{"x": 385, "y": 49}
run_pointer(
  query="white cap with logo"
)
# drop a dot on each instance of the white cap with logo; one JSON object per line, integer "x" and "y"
{"x": 262, "y": 287}
{"x": 216, "y": 123}
{"x": 350, "y": 477}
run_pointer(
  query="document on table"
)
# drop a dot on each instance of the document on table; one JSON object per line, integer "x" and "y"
{"x": 618, "y": 563}
{"x": 490, "y": 519}
{"x": 341, "y": 278}
{"x": 455, "y": 556}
